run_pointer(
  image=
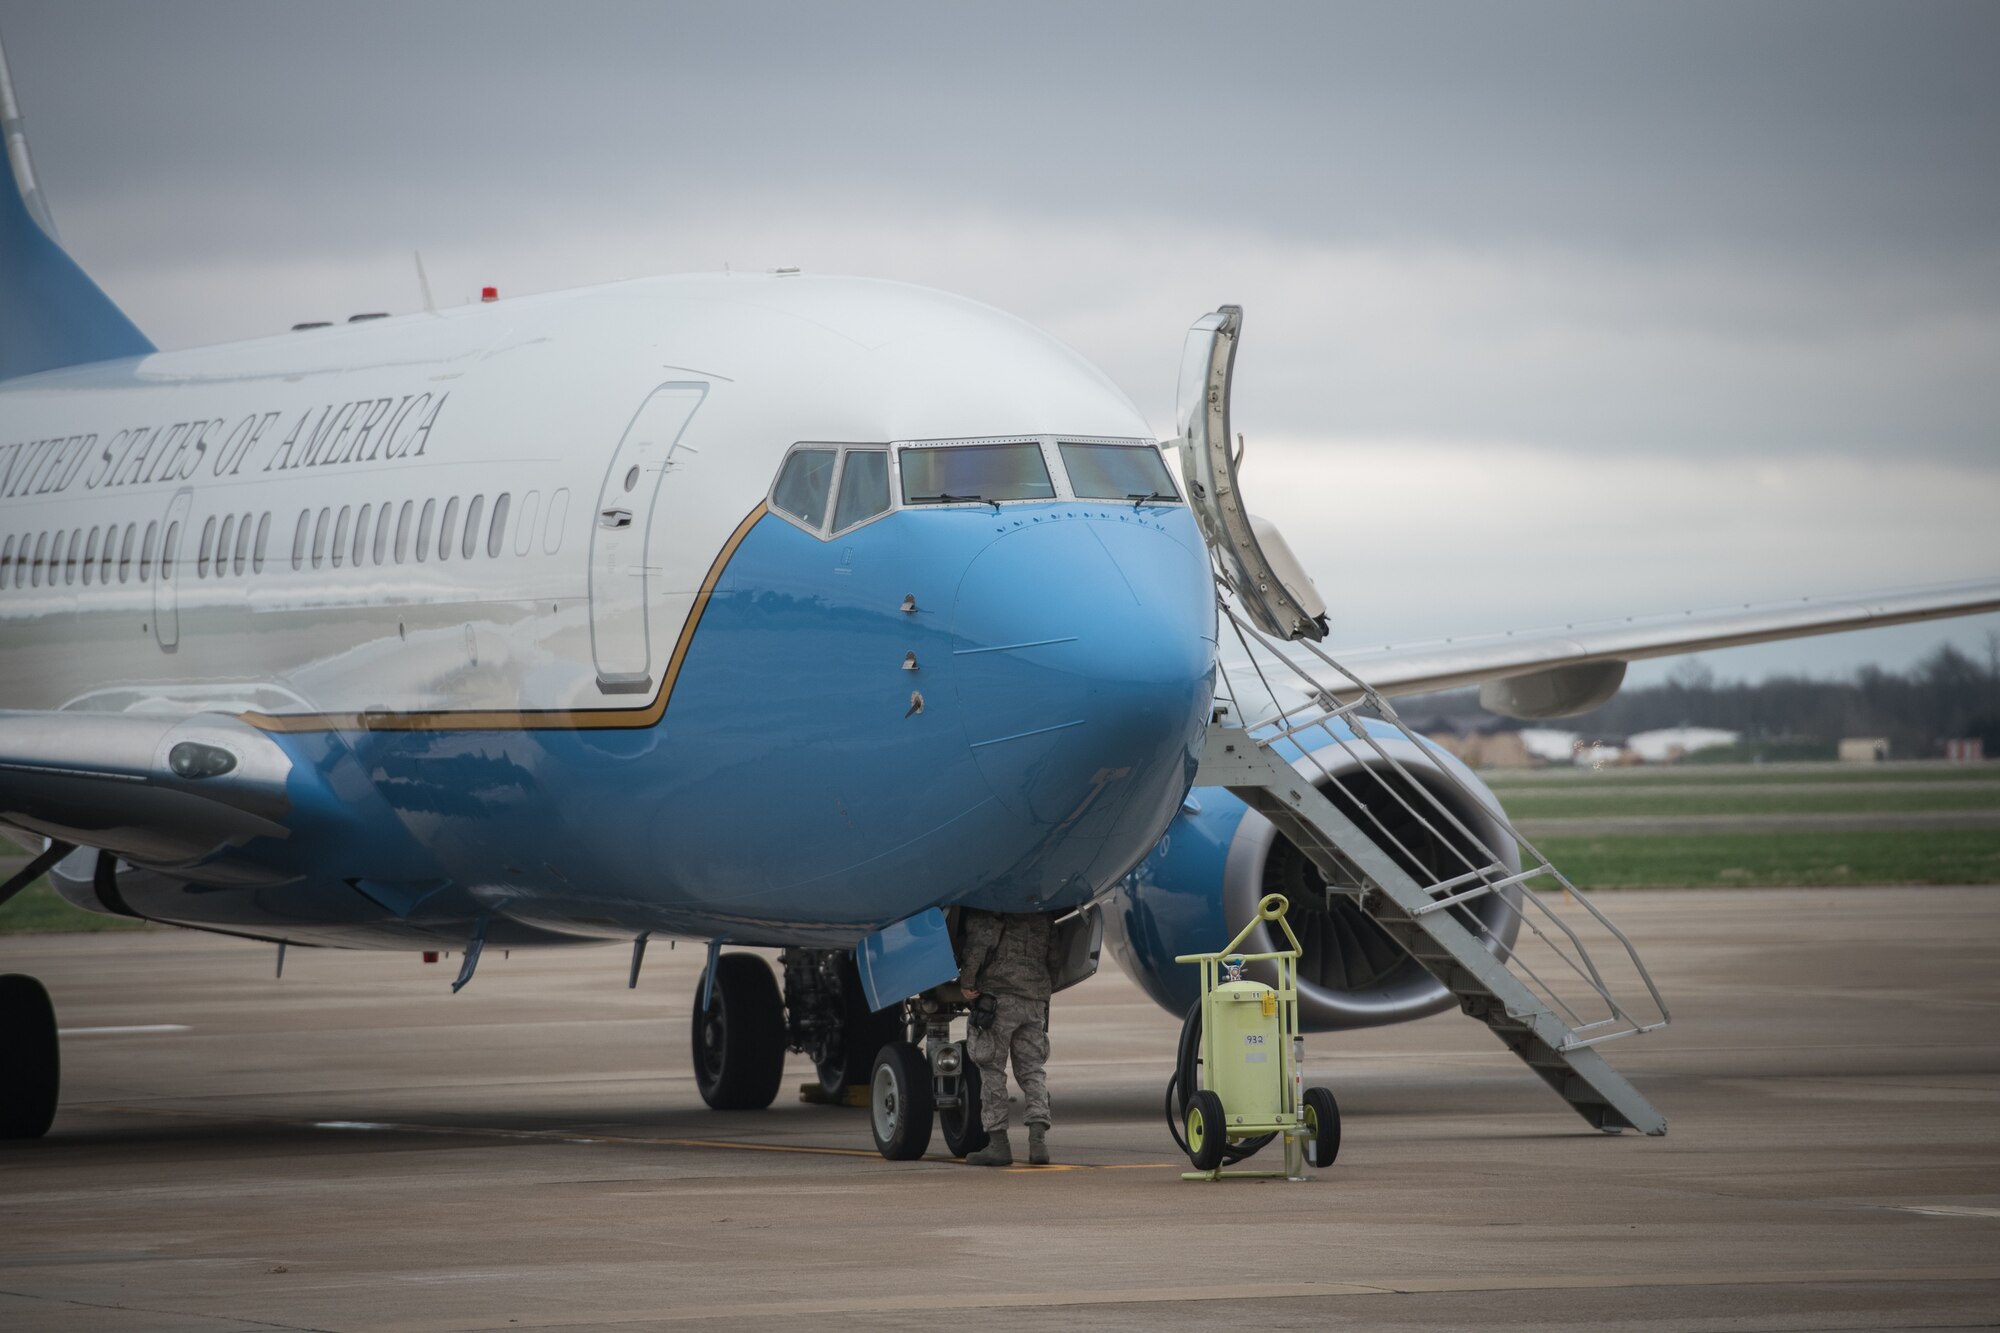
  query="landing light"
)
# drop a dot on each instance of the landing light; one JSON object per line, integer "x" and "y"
{"x": 192, "y": 759}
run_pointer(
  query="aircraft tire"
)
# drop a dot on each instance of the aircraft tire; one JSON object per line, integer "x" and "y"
{"x": 963, "y": 1131}
{"x": 1322, "y": 1115}
{"x": 739, "y": 1043}
{"x": 900, "y": 1109}
{"x": 30, "y": 1059}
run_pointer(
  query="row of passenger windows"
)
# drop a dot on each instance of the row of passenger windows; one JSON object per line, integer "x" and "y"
{"x": 388, "y": 533}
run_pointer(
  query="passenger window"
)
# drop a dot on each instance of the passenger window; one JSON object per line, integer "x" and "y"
{"x": 170, "y": 546}
{"x": 424, "y": 530}
{"x": 89, "y": 556}
{"x": 361, "y": 534}
{"x": 146, "y": 552}
{"x": 448, "y": 528}
{"x": 984, "y": 472}
{"x": 473, "y": 512}
{"x": 319, "y": 537}
{"x": 242, "y": 554}
{"x": 339, "y": 551}
{"x": 6, "y": 562}
{"x": 205, "y": 549}
{"x": 803, "y": 484}
{"x": 41, "y": 550}
{"x": 299, "y": 539}
{"x": 263, "y": 537}
{"x": 125, "y": 553}
{"x": 110, "y": 555}
{"x": 864, "y": 487}
{"x": 382, "y": 531}
{"x": 69, "y": 556}
{"x": 496, "y": 540}
{"x": 223, "y": 541}
{"x": 524, "y": 531}
{"x": 403, "y": 532}
{"x": 552, "y": 531}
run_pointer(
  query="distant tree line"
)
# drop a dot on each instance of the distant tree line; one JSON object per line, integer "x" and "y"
{"x": 1946, "y": 695}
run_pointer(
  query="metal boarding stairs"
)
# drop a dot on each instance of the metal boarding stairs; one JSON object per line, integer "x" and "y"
{"x": 1543, "y": 993}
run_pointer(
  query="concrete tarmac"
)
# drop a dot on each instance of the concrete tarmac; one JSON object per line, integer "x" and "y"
{"x": 355, "y": 1148}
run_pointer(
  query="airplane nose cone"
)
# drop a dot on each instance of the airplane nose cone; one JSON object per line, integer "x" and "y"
{"x": 1083, "y": 667}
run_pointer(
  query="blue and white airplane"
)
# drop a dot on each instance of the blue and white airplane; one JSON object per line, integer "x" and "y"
{"x": 784, "y": 611}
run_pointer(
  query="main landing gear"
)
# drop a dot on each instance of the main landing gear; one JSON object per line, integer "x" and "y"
{"x": 740, "y": 1037}
{"x": 30, "y": 1066}
{"x": 742, "y": 1031}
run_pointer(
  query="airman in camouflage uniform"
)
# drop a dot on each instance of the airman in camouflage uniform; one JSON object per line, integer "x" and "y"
{"x": 1011, "y": 957}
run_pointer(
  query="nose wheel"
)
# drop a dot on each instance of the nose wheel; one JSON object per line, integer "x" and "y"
{"x": 900, "y": 1108}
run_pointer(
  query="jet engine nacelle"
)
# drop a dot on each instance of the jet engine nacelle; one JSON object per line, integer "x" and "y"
{"x": 1219, "y": 857}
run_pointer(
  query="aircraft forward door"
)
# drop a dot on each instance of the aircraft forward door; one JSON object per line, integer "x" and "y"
{"x": 166, "y": 578}
{"x": 620, "y": 638}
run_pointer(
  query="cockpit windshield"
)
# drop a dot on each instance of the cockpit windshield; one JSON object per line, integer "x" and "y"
{"x": 1117, "y": 472}
{"x": 983, "y": 472}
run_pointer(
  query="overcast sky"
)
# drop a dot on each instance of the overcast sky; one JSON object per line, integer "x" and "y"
{"x": 1553, "y": 311}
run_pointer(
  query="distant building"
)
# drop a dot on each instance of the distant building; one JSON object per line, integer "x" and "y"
{"x": 1864, "y": 749}
{"x": 1487, "y": 749}
{"x": 1671, "y": 744}
{"x": 1550, "y": 744}
{"x": 1966, "y": 750}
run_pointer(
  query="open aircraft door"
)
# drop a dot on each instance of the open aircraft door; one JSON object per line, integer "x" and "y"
{"x": 1270, "y": 585}
{"x": 620, "y": 639}
{"x": 166, "y": 582}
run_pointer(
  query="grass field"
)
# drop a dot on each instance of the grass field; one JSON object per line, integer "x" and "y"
{"x": 1864, "y": 847}
{"x": 36, "y": 910}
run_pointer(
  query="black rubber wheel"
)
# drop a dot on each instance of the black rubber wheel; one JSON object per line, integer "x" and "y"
{"x": 739, "y": 1043}
{"x": 1322, "y": 1115}
{"x": 900, "y": 1109}
{"x": 963, "y": 1131}
{"x": 30, "y": 1064}
{"x": 863, "y": 1033}
{"x": 1206, "y": 1138}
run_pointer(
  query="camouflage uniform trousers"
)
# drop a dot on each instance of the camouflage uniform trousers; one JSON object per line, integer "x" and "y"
{"x": 1021, "y": 1029}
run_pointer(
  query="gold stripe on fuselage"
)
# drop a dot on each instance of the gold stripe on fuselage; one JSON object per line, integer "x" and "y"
{"x": 564, "y": 719}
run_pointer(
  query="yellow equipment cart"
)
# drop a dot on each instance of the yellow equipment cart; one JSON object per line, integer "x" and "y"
{"x": 1248, "y": 1086}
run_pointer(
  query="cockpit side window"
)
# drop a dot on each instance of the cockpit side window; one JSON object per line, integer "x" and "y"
{"x": 1117, "y": 472}
{"x": 804, "y": 484}
{"x": 982, "y": 472}
{"x": 864, "y": 487}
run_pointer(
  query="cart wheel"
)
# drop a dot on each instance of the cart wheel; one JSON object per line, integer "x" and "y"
{"x": 1206, "y": 1139}
{"x": 901, "y": 1111}
{"x": 1322, "y": 1127}
{"x": 963, "y": 1132}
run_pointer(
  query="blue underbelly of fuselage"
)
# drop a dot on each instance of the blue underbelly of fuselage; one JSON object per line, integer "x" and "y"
{"x": 827, "y": 762}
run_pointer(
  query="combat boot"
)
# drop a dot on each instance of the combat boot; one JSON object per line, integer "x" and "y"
{"x": 1038, "y": 1143}
{"x": 997, "y": 1152}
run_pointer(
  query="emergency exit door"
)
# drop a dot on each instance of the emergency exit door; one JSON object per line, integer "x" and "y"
{"x": 620, "y": 568}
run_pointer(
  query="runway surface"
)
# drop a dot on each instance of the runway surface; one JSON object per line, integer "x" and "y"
{"x": 355, "y": 1148}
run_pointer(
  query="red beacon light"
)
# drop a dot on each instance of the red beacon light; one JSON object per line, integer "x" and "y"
{"x": 489, "y": 293}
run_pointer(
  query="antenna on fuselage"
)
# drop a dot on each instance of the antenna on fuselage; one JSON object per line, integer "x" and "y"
{"x": 424, "y": 282}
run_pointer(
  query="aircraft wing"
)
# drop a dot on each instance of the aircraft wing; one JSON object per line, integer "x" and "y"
{"x": 162, "y": 791}
{"x": 1570, "y": 669}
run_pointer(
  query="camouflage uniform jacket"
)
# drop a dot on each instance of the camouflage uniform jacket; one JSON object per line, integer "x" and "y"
{"x": 1011, "y": 954}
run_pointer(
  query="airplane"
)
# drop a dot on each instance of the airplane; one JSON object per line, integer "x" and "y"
{"x": 774, "y": 611}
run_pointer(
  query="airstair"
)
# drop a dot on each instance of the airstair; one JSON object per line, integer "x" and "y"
{"x": 1476, "y": 908}
{"x": 1525, "y": 971}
